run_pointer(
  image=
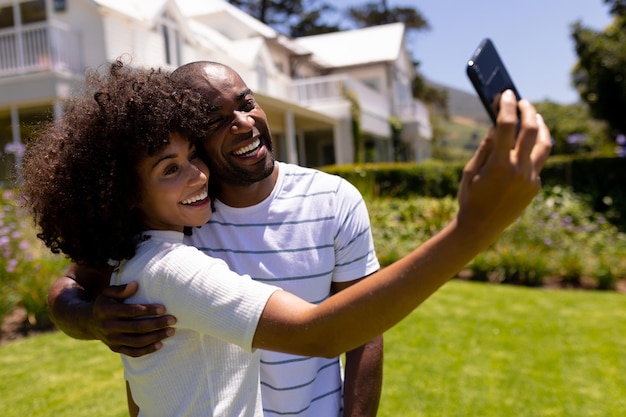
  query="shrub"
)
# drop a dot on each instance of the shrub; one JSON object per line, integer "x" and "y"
{"x": 27, "y": 267}
{"x": 599, "y": 178}
{"x": 559, "y": 235}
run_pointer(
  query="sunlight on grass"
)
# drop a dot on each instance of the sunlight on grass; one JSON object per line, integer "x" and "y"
{"x": 484, "y": 350}
{"x": 53, "y": 375}
{"x": 473, "y": 349}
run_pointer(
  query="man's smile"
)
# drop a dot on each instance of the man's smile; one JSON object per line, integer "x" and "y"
{"x": 249, "y": 149}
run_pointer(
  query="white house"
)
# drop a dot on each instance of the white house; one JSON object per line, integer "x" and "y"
{"x": 309, "y": 87}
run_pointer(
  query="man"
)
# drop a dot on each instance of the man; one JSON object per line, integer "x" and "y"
{"x": 295, "y": 228}
{"x": 266, "y": 208}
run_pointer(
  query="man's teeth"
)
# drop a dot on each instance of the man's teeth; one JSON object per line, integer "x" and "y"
{"x": 199, "y": 197}
{"x": 248, "y": 148}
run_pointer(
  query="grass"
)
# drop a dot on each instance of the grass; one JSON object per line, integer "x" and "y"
{"x": 483, "y": 350}
{"x": 473, "y": 349}
{"x": 53, "y": 375}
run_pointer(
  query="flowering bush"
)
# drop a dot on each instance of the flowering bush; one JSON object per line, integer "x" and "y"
{"x": 559, "y": 236}
{"x": 27, "y": 267}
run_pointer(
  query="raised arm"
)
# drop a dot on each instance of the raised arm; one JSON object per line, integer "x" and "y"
{"x": 497, "y": 184}
{"x": 83, "y": 306}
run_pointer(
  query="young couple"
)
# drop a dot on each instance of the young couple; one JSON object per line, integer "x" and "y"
{"x": 121, "y": 179}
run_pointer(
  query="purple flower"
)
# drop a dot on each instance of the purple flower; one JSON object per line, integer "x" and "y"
{"x": 7, "y": 195}
{"x": 576, "y": 138}
{"x": 11, "y": 265}
{"x": 15, "y": 148}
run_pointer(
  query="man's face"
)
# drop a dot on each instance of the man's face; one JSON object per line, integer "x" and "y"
{"x": 238, "y": 140}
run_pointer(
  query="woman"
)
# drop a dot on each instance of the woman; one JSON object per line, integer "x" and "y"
{"x": 117, "y": 182}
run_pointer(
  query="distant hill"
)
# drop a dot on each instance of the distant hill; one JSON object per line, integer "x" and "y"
{"x": 467, "y": 125}
{"x": 464, "y": 105}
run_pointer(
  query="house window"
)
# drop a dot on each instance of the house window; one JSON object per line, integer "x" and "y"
{"x": 60, "y": 5}
{"x": 172, "y": 41}
{"x": 373, "y": 83}
{"x": 6, "y": 17}
{"x": 33, "y": 11}
{"x": 402, "y": 88}
{"x": 21, "y": 13}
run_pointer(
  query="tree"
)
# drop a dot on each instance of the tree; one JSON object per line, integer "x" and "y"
{"x": 315, "y": 20}
{"x": 373, "y": 13}
{"x": 437, "y": 98}
{"x": 600, "y": 73}
{"x": 573, "y": 129}
{"x": 270, "y": 12}
{"x": 295, "y": 18}
{"x": 618, "y": 7}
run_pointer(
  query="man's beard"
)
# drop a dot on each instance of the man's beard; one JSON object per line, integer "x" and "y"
{"x": 230, "y": 174}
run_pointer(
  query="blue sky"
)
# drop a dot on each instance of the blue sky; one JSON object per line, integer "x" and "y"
{"x": 532, "y": 37}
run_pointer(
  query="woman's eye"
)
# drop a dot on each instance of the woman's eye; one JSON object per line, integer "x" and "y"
{"x": 193, "y": 155}
{"x": 172, "y": 169}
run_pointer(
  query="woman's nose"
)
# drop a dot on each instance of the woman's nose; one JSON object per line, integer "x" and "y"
{"x": 197, "y": 175}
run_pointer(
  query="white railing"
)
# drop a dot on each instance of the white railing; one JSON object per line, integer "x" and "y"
{"x": 38, "y": 48}
{"x": 311, "y": 91}
{"x": 416, "y": 112}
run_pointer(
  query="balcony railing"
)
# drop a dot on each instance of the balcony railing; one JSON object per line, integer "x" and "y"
{"x": 315, "y": 90}
{"x": 40, "y": 47}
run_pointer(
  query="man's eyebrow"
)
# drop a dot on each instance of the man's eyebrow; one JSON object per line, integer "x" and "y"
{"x": 239, "y": 97}
{"x": 243, "y": 94}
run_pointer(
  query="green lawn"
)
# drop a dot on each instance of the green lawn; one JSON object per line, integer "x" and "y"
{"x": 471, "y": 350}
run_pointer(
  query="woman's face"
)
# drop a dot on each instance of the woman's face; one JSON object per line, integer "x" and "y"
{"x": 174, "y": 187}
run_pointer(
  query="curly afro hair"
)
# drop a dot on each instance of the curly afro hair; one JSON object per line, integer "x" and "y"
{"x": 80, "y": 181}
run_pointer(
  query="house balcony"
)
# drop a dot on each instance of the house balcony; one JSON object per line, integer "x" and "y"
{"x": 41, "y": 47}
{"x": 334, "y": 95}
{"x": 415, "y": 119}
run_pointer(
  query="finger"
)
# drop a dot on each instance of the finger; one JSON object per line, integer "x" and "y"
{"x": 139, "y": 343}
{"x": 138, "y": 327}
{"x": 543, "y": 146}
{"x": 479, "y": 158}
{"x": 139, "y": 346}
{"x": 506, "y": 122}
{"x": 120, "y": 292}
{"x": 136, "y": 352}
{"x": 527, "y": 136}
{"x": 113, "y": 308}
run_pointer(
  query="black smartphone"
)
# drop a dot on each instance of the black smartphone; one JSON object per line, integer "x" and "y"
{"x": 489, "y": 76}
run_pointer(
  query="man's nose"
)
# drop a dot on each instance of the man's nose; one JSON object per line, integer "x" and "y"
{"x": 243, "y": 121}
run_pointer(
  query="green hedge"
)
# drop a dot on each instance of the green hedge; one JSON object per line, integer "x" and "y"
{"x": 601, "y": 180}
{"x": 429, "y": 179}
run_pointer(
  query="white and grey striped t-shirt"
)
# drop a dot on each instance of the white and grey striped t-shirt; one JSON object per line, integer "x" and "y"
{"x": 311, "y": 231}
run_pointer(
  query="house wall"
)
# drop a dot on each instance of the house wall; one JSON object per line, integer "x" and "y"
{"x": 84, "y": 18}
